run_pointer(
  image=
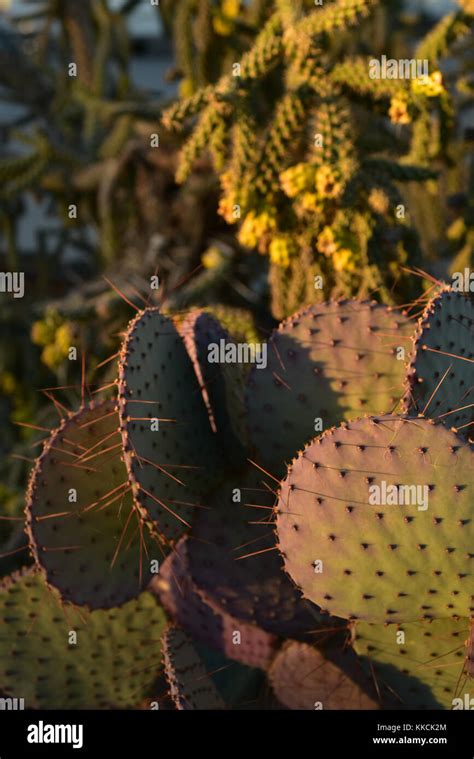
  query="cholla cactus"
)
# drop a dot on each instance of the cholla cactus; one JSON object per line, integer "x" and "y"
{"x": 295, "y": 158}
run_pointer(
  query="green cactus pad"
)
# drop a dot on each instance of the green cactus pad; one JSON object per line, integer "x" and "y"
{"x": 171, "y": 467}
{"x": 328, "y": 362}
{"x": 174, "y": 586}
{"x": 85, "y": 531}
{"x": 221, "y": 384}
{"x": 381, "y": 563}
{"x": 440, "y": 376}
{"x": 425, "y": 669}
{"x": 302, "y": 678}
{"x": 236, "y": 568}
{"x": 191, "y": 686}
{"x": 113, "y": 664}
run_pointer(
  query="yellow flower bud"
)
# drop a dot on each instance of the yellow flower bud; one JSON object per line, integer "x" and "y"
{"x": 212, "y": 258}
{"x": 342, "y": 260}
{"x": 431, "y": 86}
{"x": 327, "y": 185}
{"x": 398, "y": 111}
{"x": 281, "y": 249}
{"x": 296, "y": 179}
{"x": 326, "y": 242}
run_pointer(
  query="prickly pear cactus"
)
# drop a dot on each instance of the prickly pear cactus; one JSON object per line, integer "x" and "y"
{"x": 217, "y": 629}
{"x": 191, "y": 686}
{"x": 372, "y": 523}
{"x": 426, "y": 665}
{"x": 328, "y": 362}
{"x": 440, "y": 376}
{"x": 302, "y": 678}
{"x": 236, "y": 567}
{"x": 167, "y": 438}
{"x": 360, "y": 559}
{"x": 221, "y": 384}
{"x": 54, "y": 655}
{"x": 85, "y": 531}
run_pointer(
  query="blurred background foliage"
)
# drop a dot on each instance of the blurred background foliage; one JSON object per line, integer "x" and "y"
{"x": 152, "y": 159}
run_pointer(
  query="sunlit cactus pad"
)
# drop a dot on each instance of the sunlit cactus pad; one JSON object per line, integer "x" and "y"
{"x": 423, "y": 663}
{"x": 381, "y": 562}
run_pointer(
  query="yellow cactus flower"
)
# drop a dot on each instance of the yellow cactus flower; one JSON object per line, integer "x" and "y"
{"x": 64, "y": 338}
{"x": 398, "y": 110}
{"x": 431, "y": 86}
{"x": 42, "y": 332}
{"x": 327, "y": 185}
{"x": 379, "y": 200}
{"x": 231, "y": 8}
{"x": 52, "y": 356}
{"x": 342, "y": 260}
{"x": 281, "y": 249}
{"x": 223, "y": 23}
{"x": 212, "y": 258}
{"x": 309, "y": 201}
{"x": 296, "y": 179}
{"x": 254, "y": 227}
{"x": 326, "y": 242}
{"x": 185, "y": 89}
{"x": 227, "y": 206}
{"x": 7, "y": 383}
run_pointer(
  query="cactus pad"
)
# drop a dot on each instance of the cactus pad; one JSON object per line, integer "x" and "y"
{"x": 381, "y": 563}
{"x": 169, "y": 466}
{"x": 84, "y": 529}
{"x": 302, "y": 678}
{"x": 425, "y": 667}
{"x": 174, "y": 586}
{"x": 440, "y": 376}
{"x": 331, "y": 361}
{"x": 221, "y": 383}
{"x": 113, "y": 664}
{"x": 236, "y": 567}
{"x": 191, "y": 686}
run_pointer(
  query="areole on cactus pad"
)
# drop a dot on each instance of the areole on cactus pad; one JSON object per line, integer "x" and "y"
{"x": 362, "y": 547}
{"x": 85, "y": 531}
